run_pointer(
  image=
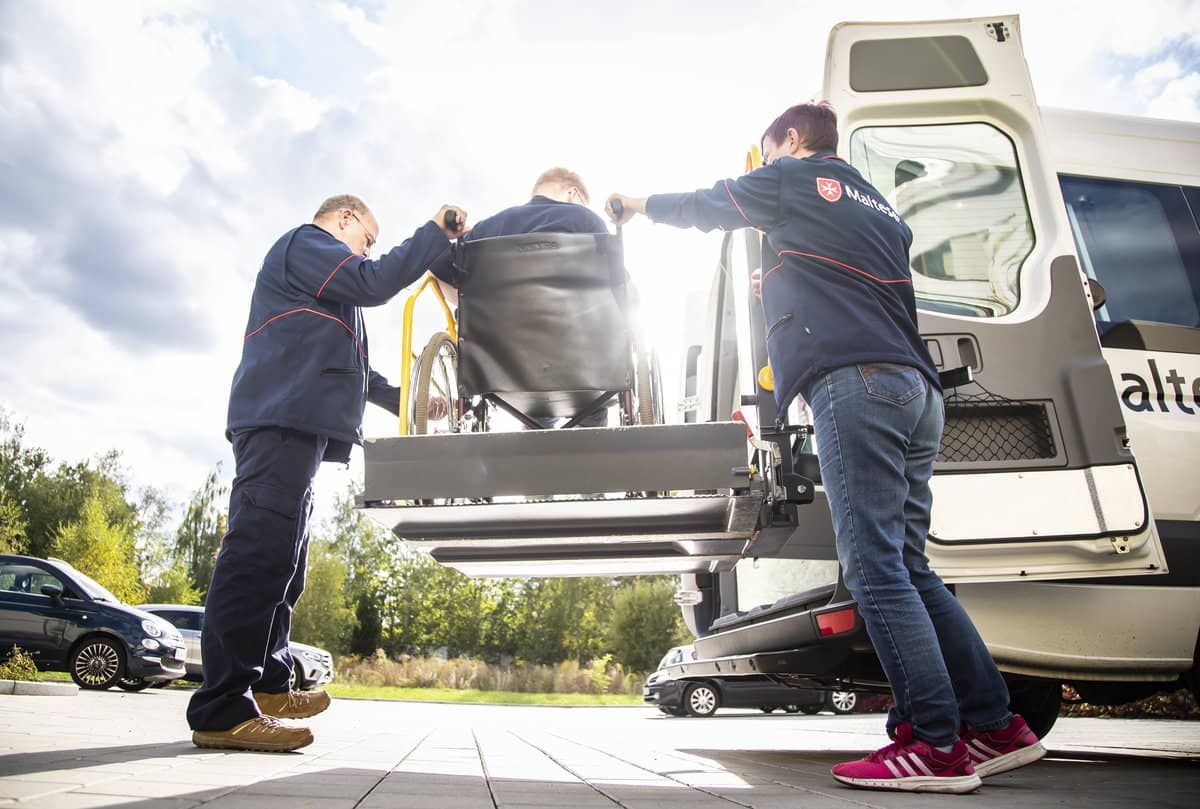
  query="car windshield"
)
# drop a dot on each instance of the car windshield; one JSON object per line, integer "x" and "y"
{"x": 680, "y": 654}
{"x": 92, "y": 588}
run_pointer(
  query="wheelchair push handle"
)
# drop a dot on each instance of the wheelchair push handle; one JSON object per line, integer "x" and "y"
{"x": 450, "y": 220}
{"x": 618, "y": 208}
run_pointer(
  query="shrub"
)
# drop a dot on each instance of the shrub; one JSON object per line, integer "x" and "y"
{"x": 18, "y": 666}
{"x": 600, "y": 676}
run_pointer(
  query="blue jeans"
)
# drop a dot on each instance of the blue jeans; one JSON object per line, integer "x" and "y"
{"x": 878, "y": 427}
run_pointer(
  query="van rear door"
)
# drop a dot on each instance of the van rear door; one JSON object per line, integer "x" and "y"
{"x": 1036, "y": 478}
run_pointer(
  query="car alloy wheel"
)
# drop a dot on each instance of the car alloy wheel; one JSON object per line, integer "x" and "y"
{"x": 97, "y": 664}
{"x": 701, "y": 700}
{"x": 843, "y": 701}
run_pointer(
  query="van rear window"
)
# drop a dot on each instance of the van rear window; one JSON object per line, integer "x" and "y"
{"x": 958, "y": 186}
{"x": 918, "y": 63}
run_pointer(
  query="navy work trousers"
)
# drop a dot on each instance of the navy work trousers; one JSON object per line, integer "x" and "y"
{"x": 259, "y": 576}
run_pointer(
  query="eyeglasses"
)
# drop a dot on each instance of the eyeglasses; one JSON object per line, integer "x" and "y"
{"x": 367, "y": 233}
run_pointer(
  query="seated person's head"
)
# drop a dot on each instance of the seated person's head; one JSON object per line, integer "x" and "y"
{"x": 562, "y": 185}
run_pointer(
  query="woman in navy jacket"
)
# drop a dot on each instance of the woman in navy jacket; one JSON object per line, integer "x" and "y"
{"x": 842, "y": 333}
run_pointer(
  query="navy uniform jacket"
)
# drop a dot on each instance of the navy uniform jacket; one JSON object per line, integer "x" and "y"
{"x": 304, "y": 360}
{"x": 838, "y": 290}
{"x": 539, "y": 215}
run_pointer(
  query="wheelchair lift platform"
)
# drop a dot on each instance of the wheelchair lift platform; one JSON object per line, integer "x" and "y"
{"x": 589, "y": 501}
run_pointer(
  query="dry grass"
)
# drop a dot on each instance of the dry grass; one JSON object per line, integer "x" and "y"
{"x": 601, "y": 676}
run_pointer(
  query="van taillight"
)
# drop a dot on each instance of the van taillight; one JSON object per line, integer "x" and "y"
{"x": 836, "y": 622}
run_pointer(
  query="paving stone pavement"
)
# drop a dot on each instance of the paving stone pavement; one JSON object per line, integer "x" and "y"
{"x": 114, "y": 749}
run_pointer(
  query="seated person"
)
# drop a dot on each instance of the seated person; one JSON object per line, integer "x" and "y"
{"x": 559, "y": 205}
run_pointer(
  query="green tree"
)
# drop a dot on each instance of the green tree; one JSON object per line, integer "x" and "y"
{"x": 645, "y": 623}
{"x": 19, "y": 467}
{"x": 367, "y": 635}
{"x": 374, "y": 563}
{"x": 53, "y": 498}
{"x": 199, "y": 536}
{"x": 103, "y": 549}
{"x": 324, "y": 616}
{"x": 563, "y": 619}
{"x": 174, "y": 586}
{"x": 12, "y": 525}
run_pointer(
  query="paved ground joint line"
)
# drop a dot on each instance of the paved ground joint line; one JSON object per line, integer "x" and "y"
{"x": 487, "y": 778}
{"x": 582, "y": 780}
{"x": 403, "y": 758}
{"x": 833, "y": 795}
{"x": 654, "y": 772}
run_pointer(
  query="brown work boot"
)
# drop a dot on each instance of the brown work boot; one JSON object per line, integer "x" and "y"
{"x": 292, "y": 704}
{"x": 262, "y": 733}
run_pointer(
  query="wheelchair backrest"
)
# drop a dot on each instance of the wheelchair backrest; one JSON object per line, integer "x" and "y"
{"x": 543, "y": 313}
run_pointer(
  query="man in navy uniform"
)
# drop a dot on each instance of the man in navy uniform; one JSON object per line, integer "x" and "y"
{"x": 559, "y": 205}
{"x": 297, "y": 400}
{"x": 842, "y": 333}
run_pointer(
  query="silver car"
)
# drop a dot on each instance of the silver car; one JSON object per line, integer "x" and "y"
{"x": 312, "y": 667}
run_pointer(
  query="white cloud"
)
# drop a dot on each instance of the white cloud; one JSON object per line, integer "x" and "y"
{"x": 1150, "y": 79}
{"x": 1179, "y": 99}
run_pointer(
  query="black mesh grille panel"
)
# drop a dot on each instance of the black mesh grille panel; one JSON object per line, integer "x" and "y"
{"x": 987, "y": 427}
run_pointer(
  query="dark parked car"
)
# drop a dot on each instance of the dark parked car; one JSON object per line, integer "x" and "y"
{"x": 313, "y": 667}
{"x": 702, "y": 696}
{"x": 68, "y": 622}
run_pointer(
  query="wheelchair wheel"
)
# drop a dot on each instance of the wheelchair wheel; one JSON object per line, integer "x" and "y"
{"x": 435, "y": 375}
{"x": 648, "y": 389}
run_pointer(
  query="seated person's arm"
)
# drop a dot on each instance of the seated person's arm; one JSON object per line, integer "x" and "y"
{"x": 449, "y": 293}
{"x": 380, "y": 393}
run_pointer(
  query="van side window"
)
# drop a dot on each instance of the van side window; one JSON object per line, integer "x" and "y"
{"x": 959, "y": 188}
{"x": 1141, "y": 242}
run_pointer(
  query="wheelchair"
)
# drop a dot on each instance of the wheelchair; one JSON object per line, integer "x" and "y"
{"x": 545, "y": 332}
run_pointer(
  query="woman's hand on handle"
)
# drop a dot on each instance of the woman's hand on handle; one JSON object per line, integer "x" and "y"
{"x": 621, "y": 209}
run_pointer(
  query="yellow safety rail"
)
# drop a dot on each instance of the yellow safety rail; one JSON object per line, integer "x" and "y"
{"x": 407, "y": 354}
{"x": 753, "y": 159}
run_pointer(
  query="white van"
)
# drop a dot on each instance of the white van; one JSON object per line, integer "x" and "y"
{"x": 1056, "y": 264}
{"x": 1057, "y": 255}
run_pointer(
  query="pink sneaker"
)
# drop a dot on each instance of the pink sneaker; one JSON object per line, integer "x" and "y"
{"x": 911, "y": 765}
{"x": 998, "y": 751}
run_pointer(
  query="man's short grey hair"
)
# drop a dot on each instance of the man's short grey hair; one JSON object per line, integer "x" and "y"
{"x": 341, "y": 202}
{"x": 563, "y": 179}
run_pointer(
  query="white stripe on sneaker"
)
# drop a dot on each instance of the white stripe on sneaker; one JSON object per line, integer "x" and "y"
{"x": 902, "y": 762}
{"x": 895, "y": 771}
{"x": 915, "y": 759}
{"x": 982, "y": 748}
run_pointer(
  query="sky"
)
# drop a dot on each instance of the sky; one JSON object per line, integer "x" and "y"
{"x": 151, "y": 152}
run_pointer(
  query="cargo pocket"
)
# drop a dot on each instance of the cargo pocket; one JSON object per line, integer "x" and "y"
{"x": 274, "y": 500}
{"x": 898, "y": 384}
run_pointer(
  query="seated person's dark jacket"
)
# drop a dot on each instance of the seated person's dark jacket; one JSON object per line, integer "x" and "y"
{"x": 539, "y": 215}
{"x": 304, "y": 359}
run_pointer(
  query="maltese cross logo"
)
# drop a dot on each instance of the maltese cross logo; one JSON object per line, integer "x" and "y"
{"x": 830, "y": 190}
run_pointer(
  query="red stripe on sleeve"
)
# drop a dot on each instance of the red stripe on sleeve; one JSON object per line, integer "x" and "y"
{"x": 735, "y": 204}
{"x": 330, "y": 276}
